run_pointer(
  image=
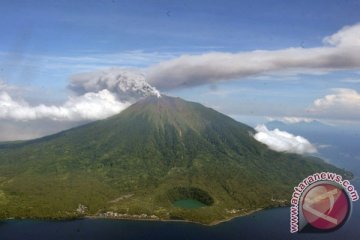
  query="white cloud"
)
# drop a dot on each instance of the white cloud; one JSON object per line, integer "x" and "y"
{"x": 90, "y": 106}
{"x": 348, "y": 36}
{"x": 341, "y": 51}
{"x": 100, "y": 94}
{"x": 343, "y": 103}
{"x": 127, "y": 84}
{"x": 350, "y": 80}
{"x": 282, "y": 141}
{"x": 291, "y": 120}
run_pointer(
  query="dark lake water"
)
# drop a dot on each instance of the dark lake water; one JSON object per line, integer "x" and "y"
{"x": 188, "y": 204}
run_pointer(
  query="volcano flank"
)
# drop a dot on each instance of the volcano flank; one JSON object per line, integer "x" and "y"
{"x": 137, "y": 164}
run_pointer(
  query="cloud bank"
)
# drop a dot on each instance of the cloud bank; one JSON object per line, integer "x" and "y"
{"x": 99, "y": 95}
{"x": 340, "y": 51}
{"x": 90, "y": 106}
{"x": 282, "y": 141}
{"x": 343, "y": 103}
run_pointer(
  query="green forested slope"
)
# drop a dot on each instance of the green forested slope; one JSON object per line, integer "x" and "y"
{"x": 141, "y": 160}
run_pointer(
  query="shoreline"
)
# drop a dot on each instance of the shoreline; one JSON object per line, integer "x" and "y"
{"x": 214, "y": 223}
{"x": 130, "y": 218}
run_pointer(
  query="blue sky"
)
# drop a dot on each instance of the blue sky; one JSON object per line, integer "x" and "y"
{"x": 71, "y": 27}
{"x": 44, "y": 43}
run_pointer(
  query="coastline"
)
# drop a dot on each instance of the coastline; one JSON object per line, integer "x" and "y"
{"x": 130, "y": 218}
{"x": 138, "y": 218}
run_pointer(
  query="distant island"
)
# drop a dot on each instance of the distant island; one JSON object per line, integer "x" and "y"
{"x": 163, "y": 158}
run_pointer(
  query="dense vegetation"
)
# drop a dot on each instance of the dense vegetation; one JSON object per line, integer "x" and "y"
{"x": 137, "y": 161}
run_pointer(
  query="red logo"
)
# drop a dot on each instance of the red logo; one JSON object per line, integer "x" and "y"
{"x": 326, "y": 206}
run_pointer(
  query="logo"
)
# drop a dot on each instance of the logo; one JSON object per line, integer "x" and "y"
{"x": 325, "y": 206}
{"x": 321, "y": 203}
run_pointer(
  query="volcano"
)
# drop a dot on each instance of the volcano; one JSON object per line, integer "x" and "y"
{"x": 142, "y": 162}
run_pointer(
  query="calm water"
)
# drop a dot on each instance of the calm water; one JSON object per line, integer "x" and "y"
{"x": 188, "y": 203}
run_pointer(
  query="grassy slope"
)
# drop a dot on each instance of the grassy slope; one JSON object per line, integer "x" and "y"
{"x": 150, "y": 148}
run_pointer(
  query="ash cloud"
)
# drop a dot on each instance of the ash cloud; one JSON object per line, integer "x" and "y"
{"x": 103, "y": 93}
{"x": 126, "y": 84}
{"x": 98, "y": 95}
{"x": 340, "y": 51}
